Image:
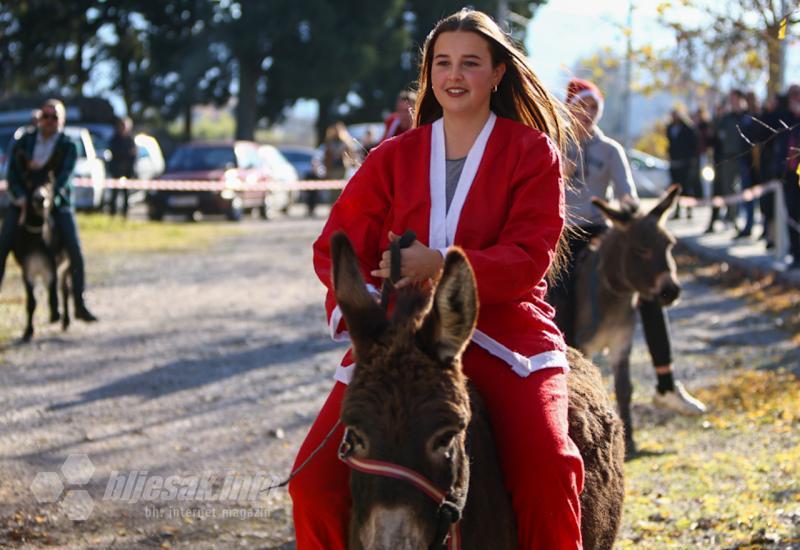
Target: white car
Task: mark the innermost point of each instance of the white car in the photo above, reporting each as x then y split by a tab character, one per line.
281	171
90	166
149	158
650	174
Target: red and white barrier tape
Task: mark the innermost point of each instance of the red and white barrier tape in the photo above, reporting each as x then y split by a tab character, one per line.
203	185
748	194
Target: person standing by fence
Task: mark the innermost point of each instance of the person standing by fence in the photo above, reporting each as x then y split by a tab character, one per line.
123	160
683	160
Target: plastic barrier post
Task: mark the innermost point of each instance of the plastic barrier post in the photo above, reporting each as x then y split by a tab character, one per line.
781	230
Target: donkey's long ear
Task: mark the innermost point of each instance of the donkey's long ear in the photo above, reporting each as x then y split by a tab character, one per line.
365	319
660	210
621	219
449	325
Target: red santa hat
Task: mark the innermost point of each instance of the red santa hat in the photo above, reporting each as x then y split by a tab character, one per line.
578	89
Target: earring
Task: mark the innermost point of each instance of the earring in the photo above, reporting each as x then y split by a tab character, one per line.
495	88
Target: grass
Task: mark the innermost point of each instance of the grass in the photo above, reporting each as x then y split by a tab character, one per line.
101	234
728	480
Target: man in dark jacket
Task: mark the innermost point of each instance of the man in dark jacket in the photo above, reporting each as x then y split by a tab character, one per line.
123	159
683	159
39	146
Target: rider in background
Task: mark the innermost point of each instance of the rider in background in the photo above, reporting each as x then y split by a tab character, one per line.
401	119
39	145
597	166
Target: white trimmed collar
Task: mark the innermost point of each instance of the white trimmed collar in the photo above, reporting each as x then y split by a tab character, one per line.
443	222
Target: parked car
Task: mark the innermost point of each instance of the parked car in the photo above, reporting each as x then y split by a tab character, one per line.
650	174
7	134
88	165
148	166
307	161
359	132
149	158
222	161
282	171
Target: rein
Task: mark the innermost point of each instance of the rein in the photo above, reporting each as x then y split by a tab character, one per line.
448	532
394	248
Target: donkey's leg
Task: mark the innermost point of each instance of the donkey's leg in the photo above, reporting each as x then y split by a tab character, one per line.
65	294
31	306
52	291
624	390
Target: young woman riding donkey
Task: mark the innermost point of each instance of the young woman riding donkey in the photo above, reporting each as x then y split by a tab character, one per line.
480	171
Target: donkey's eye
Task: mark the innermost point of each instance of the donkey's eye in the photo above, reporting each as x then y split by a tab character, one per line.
356	440
643	252
444	440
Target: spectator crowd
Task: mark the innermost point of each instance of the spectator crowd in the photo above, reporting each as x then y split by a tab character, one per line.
747	143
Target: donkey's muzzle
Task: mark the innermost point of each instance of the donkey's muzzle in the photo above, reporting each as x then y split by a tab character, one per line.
668	293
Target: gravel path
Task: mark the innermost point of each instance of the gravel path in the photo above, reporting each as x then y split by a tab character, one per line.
215	363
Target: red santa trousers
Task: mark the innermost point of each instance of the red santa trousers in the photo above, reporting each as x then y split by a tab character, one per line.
542	468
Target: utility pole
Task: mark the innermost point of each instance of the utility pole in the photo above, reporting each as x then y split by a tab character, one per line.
626	95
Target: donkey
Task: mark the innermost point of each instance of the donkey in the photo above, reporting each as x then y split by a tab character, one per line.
35	248
410	413
632	259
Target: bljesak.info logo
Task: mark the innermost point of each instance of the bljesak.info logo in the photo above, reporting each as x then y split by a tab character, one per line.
68	488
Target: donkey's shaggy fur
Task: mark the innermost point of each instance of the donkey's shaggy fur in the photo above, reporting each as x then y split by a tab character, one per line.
410	404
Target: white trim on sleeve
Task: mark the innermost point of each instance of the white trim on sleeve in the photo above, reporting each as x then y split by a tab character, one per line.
344	373
336	319
521	365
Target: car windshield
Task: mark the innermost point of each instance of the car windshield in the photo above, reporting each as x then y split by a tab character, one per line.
5	140
297	156
187	159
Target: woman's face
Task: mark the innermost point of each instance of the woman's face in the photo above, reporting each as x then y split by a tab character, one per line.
462	75
585	110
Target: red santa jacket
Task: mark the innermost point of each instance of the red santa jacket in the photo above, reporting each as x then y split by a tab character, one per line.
507	215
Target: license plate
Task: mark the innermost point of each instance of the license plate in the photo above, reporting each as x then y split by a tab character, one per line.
182	201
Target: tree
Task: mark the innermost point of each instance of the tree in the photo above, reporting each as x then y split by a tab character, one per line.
736	38
47	46
185	67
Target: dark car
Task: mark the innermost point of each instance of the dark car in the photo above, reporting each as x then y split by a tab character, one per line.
306	160
231	162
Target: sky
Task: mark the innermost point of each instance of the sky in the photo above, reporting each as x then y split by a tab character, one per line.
563	31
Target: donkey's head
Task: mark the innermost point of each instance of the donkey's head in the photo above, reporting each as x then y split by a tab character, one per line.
38	190
640	257
407	404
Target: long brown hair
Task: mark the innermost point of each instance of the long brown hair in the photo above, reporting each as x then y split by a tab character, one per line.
520	95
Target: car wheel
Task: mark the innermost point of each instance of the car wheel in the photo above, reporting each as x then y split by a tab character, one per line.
155	213
265	210
235	210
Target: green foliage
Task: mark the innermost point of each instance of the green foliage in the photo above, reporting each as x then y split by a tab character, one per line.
165	57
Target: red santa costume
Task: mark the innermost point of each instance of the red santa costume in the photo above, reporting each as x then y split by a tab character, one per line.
392	126
507	214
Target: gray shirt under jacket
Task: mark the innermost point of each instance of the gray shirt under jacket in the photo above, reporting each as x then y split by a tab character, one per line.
454	169
599	162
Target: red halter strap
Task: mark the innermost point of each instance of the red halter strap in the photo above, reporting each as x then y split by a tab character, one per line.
387	469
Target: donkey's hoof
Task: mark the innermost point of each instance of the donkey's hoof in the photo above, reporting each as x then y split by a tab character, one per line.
26	337
65	323
55	317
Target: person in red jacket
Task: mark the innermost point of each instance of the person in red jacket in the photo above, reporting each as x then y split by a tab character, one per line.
401	119
481	170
